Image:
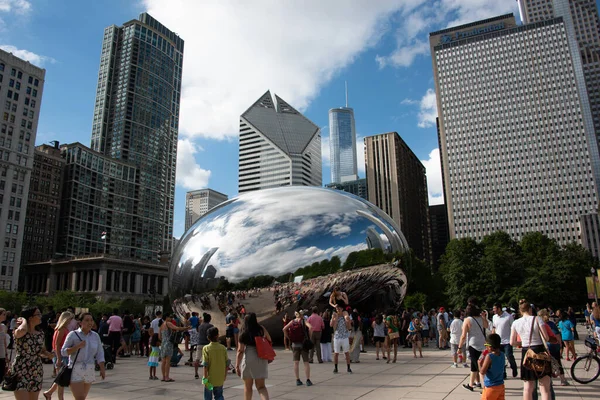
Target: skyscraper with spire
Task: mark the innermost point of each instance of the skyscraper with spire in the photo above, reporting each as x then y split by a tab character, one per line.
342	144
278	146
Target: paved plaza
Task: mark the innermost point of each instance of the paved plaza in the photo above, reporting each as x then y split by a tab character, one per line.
429	378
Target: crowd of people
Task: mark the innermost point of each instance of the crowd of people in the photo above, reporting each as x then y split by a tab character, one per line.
480	340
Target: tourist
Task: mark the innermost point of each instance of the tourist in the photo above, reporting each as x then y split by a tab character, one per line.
214	360
554	343
297	330
326	337
315	321
3	344
587	313
527	328
356	336
232	332
414	334
115	329
155	324
455	333
405	321
567	329
336	296
501	324
286	341
379	336
425	331
393	328
474	326
341	323
442	326
60	336
136	336
167	332
433	331
253	370
573	320
491	366
154	356
27	364
145	337
203	340
84	349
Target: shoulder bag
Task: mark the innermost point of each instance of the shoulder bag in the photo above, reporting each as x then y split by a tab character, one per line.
63	377
11	379
264	348
538	363
307	345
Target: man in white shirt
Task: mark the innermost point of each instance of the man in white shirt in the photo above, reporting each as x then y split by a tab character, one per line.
154	324
501	325
455	332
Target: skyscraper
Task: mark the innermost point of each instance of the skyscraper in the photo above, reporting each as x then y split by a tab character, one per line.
582	24
278	147
21	90
397	183
342	144
515	148
199	202
136	120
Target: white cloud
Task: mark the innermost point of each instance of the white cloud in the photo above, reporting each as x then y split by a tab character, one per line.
433	167
409	102
234	51
428	110
27	55
189	173
16	6
413	27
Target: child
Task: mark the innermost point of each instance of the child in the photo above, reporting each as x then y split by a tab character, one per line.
492	366
214	357
414	333
455	332
154	354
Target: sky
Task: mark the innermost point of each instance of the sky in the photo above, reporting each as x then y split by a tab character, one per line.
303	51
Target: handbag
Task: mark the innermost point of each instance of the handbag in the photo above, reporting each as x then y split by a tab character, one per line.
538	363
307	345
264	349
555	365
11	381
394	335
63	377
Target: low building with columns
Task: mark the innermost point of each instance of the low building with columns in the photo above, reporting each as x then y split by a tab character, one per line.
104	276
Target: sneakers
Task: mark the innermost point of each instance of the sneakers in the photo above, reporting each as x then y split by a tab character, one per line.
454	365
308	382
466	365
468	387
349	370
197	376
478	385
299	382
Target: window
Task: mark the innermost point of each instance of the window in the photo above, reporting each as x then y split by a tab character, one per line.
9	94
30	80
28	91
36	83
26	101
10	273
8	229
11	256
32	103
19	75
15	228
13	72
18	204
16	96
11	83
34	93
18	86
5	117
1	67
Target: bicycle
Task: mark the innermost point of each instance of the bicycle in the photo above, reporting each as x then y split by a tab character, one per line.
586	369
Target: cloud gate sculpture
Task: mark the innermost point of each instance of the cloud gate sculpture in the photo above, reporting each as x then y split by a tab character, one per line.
275	232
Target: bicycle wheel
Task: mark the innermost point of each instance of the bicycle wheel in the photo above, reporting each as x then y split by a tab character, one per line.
585	369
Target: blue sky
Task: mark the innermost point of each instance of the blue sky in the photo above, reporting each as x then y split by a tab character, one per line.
235	51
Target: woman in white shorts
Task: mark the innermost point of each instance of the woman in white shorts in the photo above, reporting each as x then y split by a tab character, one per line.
84	349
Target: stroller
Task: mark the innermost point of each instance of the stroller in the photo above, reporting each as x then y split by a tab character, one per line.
109	360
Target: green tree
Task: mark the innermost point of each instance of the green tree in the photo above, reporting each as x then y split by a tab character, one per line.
416	301
460	268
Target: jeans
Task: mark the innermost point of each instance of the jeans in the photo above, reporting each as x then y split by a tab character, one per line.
217	392
508	351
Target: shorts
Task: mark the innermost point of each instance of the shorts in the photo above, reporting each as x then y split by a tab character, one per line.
126	337
425	333
378	339
474	354
341	345
236	331
229	333
198	353
493	393
299	351
85	374
454	349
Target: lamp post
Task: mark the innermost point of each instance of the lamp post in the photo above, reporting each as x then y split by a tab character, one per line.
593	272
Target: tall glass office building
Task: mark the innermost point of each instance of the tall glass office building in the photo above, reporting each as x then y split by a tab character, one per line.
136	120
342	145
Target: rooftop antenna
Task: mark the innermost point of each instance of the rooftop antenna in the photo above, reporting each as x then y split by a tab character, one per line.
346	84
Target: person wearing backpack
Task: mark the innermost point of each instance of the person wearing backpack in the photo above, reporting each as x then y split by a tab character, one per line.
297	331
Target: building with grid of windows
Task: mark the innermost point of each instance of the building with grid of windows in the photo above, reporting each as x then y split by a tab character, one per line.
278	147
438	227
136	120
357	187
43	206
583	29
199	202
590	233
397	183
516	150
342	145
21	87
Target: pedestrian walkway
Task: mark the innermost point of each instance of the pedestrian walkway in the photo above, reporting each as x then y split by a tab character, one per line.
431	377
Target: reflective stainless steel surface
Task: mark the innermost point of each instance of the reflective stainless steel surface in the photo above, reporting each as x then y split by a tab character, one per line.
275	232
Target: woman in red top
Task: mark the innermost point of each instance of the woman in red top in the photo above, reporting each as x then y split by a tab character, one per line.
60	334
